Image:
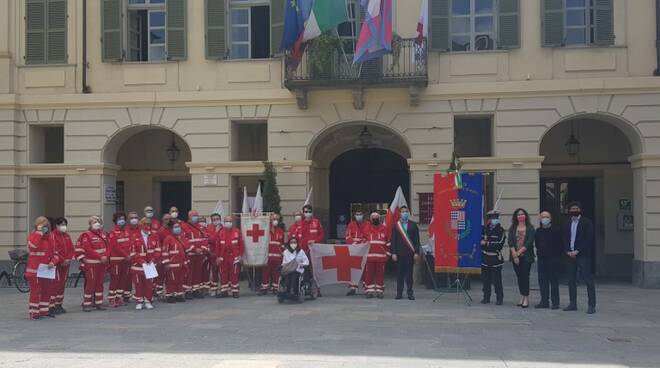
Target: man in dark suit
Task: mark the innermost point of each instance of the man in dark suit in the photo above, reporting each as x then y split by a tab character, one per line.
405	251
578	239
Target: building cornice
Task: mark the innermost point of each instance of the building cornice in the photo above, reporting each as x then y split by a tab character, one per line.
644	160
57	170
480	163
247	167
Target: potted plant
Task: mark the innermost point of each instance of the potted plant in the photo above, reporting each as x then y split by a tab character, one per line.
322	54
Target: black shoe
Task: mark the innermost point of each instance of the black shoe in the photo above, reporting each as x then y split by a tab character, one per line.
51	315
499	302
570	308
318	294
262	292
170	299
380	295
87	308
523	306
411	297
181	299
485	301
398	297
188	296
369	295
234	295
100	307
542	306
555	307
35	318
61	310
351	292
591	310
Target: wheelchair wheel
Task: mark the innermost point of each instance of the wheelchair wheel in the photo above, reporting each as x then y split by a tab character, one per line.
18	277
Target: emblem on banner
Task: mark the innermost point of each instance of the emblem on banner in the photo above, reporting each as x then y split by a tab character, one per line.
458	227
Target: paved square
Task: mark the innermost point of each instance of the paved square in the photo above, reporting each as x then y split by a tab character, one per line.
339	331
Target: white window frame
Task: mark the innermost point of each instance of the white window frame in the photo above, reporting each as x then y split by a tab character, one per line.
472	20
149	7
242	4
355	26
589	26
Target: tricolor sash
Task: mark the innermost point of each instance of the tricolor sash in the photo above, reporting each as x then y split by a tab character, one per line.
405	236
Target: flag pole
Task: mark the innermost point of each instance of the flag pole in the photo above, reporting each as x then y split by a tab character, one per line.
341	45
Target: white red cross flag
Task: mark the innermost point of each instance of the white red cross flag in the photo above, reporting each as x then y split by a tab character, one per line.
338	263
256	236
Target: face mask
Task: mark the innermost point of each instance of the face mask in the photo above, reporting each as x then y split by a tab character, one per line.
359	218
229	225
405	216
134	221
176	231
494	222
44	230
121	222
145	231
275	223
217	222
375	221
545	221
298	218
293	246
174	214
97	226
194	219
308	215
202	224
149	214
62	228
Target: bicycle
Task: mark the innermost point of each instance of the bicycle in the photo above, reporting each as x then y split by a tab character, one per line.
17	276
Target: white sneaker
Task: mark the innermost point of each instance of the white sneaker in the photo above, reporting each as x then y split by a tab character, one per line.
148	305
138	306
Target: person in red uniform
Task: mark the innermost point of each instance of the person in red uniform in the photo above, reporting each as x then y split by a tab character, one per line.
311	232
63	248
231	248
40	251
163	231
269	274
295	230
356	233
213	229
149	213
120	249
206	266
174	259
145	248
174	214
198	246
92	251
379	251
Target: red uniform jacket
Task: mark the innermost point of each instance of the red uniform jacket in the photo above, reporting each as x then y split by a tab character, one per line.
312	232
40	250
91	246
213	232
62	246
276	245
295	231
163	232
198	240
155	224
142	252
174	251
357	232
379	248
230	244
120	243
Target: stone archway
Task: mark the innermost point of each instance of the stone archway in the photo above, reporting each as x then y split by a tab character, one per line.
600	176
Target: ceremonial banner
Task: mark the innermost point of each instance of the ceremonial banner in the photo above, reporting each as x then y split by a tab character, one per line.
338	263
457	213
256	236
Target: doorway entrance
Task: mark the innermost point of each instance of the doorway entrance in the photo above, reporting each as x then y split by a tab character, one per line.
178	194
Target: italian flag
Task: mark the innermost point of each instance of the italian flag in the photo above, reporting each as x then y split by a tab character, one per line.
325	15
393	215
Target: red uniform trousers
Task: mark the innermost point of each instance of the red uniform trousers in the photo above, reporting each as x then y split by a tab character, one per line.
119	272
143	287
126	284
214	274
59	285
229	274
206	273
194	274
374	277
160	279
175	281
270	275
94	274
40	292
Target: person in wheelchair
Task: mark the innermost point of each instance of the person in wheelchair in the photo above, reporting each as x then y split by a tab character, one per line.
293	266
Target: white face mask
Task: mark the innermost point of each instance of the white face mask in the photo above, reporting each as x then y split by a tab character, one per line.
134	221
149	214
298	218
62	228
174	215
275	223
229	225
308	215
97	226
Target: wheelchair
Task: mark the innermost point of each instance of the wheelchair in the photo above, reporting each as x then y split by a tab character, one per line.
307	289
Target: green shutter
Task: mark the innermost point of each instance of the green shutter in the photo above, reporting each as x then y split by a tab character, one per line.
439	25
276	25
176	29
552	23
56	32
35	31
508	33
216	19
111	25
604	22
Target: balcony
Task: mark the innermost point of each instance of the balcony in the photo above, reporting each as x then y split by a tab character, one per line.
405	68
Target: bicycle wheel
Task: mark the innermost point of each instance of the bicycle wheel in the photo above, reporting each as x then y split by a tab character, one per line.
18	277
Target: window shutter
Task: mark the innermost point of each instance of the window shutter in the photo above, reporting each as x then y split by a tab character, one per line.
176	29
35	31
276	25
508	33
216	19
56	32
111	24
439	25
552	23
604	13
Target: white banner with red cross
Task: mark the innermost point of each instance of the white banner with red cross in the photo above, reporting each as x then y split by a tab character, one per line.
338	263
256	236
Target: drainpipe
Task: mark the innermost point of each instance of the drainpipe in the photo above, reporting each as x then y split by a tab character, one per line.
86	88
657	37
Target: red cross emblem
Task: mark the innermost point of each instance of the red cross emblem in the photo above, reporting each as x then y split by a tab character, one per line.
255	233
343	261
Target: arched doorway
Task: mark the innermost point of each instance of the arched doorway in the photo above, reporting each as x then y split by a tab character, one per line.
356	164
153	169
586	159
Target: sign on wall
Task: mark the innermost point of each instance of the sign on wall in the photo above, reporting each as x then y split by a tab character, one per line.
109	194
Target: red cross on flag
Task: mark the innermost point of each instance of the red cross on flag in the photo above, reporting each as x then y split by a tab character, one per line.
338	263
256	236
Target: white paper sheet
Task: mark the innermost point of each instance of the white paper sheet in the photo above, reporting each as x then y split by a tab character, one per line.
150	271
43	272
